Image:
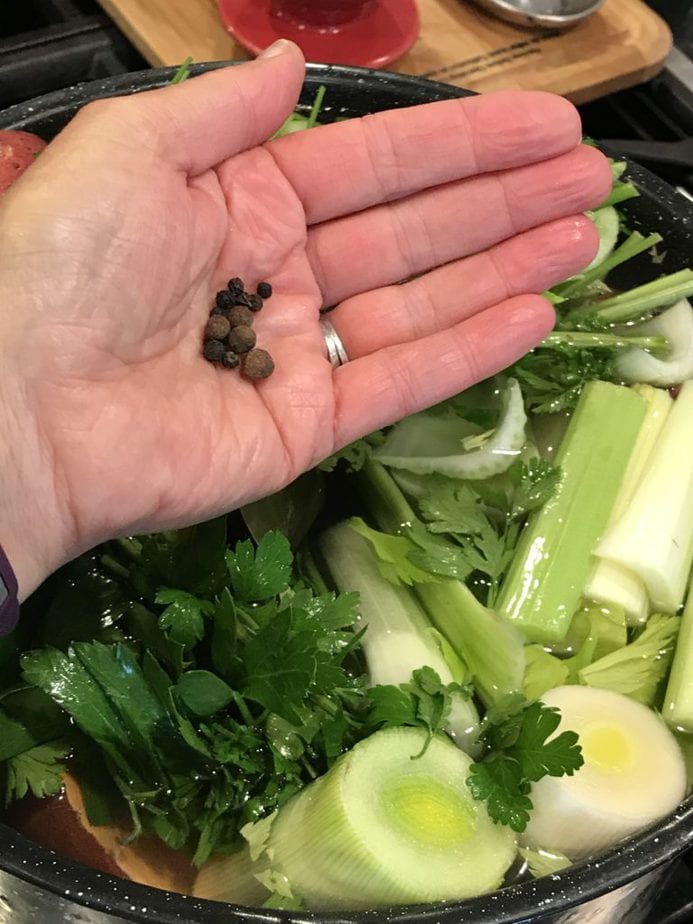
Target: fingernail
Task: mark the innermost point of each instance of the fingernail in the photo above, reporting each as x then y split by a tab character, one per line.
275	49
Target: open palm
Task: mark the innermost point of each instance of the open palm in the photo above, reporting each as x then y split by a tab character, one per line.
118	237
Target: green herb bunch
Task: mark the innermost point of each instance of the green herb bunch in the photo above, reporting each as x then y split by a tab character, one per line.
197	688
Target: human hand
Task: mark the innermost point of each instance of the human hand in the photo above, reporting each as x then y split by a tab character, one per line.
115	241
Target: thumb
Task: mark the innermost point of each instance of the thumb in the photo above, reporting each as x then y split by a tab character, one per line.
203	121
209	118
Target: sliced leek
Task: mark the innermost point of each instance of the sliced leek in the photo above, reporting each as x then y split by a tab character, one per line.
633	775
381	828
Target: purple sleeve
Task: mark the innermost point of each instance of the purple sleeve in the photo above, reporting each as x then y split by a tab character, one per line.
9	605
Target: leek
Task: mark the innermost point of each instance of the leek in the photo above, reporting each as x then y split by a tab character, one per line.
381	828
609	582
653	538
399	638
544	583
491	648
633	774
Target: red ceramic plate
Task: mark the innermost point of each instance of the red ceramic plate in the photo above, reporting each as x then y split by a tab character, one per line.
383	34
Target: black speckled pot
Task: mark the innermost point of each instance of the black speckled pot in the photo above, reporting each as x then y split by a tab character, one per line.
37	886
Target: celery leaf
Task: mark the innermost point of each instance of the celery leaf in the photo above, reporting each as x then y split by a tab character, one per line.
393	553
638	669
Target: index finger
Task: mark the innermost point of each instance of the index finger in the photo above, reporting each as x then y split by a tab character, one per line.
348	166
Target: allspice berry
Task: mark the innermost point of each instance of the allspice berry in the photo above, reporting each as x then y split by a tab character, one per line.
240	298
238	315
242	338
223	299
264	289
257	364
230	360
235	285
217	328
214	350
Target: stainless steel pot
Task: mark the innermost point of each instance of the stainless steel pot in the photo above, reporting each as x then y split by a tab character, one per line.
39	887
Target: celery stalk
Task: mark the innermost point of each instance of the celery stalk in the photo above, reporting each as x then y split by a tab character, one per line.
609	582
677	711
544	584
653	538
597	339
633	304
492	649
630	248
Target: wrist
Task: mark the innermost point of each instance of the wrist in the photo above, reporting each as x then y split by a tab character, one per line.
32	529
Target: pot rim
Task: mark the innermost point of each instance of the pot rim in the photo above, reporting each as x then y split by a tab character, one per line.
533	899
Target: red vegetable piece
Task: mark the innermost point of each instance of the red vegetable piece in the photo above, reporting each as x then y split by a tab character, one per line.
17	152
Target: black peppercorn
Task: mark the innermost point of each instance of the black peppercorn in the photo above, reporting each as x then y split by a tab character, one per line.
214	350
264	289
238	315
257	364
242	338
254	302
230	360
235	286
223	299
217	328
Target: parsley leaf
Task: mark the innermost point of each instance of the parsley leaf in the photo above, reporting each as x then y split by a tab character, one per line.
499	782
183	619
190	559
539	757
483	520
39	770
425	700
517	735
280	664
258	573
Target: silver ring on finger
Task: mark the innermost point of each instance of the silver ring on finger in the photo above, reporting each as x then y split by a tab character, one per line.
336	353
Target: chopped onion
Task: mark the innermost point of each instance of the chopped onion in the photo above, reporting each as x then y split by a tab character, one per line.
676	324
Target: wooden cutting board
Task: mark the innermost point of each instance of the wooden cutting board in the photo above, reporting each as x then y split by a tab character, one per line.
623	44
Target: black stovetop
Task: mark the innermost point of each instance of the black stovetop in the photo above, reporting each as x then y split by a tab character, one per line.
49	44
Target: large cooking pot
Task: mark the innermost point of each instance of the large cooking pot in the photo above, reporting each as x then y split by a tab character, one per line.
40	887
